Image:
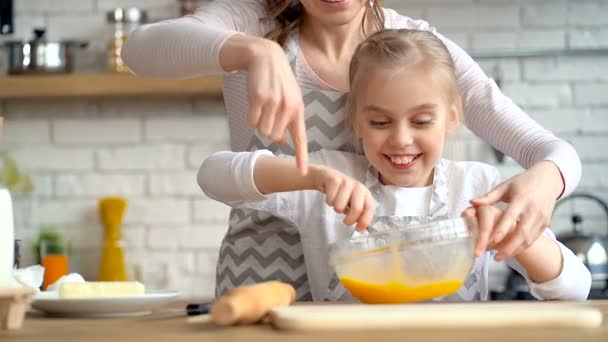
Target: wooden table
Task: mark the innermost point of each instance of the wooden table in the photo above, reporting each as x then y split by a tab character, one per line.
167	325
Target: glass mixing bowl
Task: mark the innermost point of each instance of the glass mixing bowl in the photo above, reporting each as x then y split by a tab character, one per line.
407	262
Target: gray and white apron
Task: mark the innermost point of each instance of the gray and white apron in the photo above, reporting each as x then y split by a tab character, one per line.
258	246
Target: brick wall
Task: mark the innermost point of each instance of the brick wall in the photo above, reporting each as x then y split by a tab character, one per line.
149	150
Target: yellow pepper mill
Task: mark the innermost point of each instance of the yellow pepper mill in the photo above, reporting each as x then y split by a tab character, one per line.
111	210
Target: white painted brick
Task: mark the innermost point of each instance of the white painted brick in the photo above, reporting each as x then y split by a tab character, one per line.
54	158
155	157
158	211
134	238
64	211
85	261
206	262
46	109
175	183
43	184
501	70
207	210
588	13
595	122
24	28
53	6
188	237
111	4
594	175
164	237
213	128
195	286
589	38
536	95
545	14
474	18
409	9
566	69
591	94
79	185
560	120
459	38
26	132
118	108
591	148
198	153
179	262
86	234
519	40
86	26
203	236
96	131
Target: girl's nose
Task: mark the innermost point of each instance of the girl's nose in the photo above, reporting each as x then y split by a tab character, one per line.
401	136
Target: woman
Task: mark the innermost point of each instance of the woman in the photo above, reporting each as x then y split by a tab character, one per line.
286	63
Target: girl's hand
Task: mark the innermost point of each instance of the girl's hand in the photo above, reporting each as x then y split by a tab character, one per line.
275	99
347	196
531	196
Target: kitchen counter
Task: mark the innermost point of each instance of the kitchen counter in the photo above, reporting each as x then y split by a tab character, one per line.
171	324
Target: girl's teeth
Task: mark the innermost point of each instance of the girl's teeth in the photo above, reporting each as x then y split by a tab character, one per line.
402	160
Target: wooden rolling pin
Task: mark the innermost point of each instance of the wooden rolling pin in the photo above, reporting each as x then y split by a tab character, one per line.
249	304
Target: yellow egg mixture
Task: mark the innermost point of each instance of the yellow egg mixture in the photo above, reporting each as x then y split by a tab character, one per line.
393	293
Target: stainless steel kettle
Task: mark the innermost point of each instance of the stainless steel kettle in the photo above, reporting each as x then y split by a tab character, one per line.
592	249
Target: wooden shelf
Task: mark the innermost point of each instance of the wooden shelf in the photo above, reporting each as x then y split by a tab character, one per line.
104	85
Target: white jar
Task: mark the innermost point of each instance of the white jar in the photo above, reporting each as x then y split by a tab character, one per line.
7	240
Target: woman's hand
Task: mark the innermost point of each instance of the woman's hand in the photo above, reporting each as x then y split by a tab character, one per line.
531	196
346	195
275	99
487	217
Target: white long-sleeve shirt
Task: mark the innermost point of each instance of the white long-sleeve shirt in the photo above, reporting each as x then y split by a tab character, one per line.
189	47
228	177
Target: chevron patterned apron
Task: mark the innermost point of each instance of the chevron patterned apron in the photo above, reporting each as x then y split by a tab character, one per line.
258	246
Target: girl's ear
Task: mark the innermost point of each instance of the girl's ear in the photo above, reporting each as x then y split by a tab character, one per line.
454	114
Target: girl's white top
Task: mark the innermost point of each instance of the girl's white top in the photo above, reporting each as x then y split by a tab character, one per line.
189	47
228	177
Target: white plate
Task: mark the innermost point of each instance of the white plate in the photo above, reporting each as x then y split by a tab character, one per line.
50	303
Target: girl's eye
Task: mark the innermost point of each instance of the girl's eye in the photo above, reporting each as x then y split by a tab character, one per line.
378	123
423	123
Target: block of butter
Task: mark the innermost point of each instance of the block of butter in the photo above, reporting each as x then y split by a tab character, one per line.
101	289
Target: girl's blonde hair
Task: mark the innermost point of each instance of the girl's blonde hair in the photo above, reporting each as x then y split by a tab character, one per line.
396	49
288	14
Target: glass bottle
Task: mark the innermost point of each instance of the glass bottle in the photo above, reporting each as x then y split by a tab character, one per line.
122	21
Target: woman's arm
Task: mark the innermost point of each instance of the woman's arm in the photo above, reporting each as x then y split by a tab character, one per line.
497	120
190	46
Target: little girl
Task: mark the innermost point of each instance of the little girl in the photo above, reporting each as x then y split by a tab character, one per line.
404	100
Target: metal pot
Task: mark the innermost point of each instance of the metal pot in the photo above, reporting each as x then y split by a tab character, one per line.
38	56
592	249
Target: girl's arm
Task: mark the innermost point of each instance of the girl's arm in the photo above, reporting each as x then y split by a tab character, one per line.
244	178
552	270
190	46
